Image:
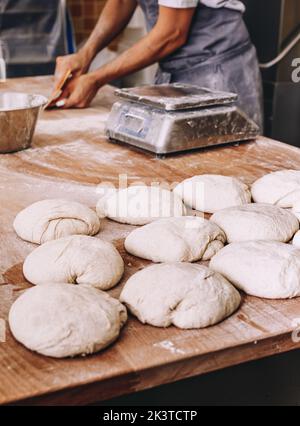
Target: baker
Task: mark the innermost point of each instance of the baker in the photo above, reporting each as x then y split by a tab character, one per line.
200	42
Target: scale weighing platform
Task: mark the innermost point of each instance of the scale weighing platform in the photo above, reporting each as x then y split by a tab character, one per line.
172	118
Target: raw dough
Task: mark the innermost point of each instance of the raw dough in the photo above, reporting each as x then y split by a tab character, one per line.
257	222
181	239
52	219
281	188
264	269
210	193
183	294
75	260
139	205
296	240
59	320
296	209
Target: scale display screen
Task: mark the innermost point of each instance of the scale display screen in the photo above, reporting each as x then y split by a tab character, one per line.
134	123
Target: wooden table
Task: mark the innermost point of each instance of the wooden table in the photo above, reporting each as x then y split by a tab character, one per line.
69	158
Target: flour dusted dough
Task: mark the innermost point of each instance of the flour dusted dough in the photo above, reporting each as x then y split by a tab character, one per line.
264	269
181	239
139	205
256	222
281	188
296	240
75	260
186	295
210	193
52	219
296	209
58	320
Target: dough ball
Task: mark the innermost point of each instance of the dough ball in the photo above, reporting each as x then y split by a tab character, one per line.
210	193
139	205
52	219
264	269
256	222
59	320
296	240
75	260
296	209
186	295
280	188
181	239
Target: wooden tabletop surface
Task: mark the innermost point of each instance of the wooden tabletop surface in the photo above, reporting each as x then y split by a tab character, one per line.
70	158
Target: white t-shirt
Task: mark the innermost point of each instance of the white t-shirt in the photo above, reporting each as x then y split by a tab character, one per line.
230	4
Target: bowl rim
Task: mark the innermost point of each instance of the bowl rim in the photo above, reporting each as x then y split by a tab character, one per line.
43	102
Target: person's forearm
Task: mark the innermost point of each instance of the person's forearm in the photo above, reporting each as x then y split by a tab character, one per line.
170	32
149	50
114	18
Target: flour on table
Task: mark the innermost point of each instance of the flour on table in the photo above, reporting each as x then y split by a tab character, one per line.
210	193
75	260
263	269
169	346
257	222
186	295
59	321
181	239
139	205
52	219
95	123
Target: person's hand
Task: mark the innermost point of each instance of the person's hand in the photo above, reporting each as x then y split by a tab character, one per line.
77	63
80	92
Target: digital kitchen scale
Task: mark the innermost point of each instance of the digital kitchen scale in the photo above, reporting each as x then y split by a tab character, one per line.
171	118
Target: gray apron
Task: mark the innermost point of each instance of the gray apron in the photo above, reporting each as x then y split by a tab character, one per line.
218	55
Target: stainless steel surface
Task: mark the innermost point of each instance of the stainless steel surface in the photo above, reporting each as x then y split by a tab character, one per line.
174	97
18	117
163	132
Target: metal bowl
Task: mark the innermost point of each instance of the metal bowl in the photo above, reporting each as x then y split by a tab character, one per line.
18	116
